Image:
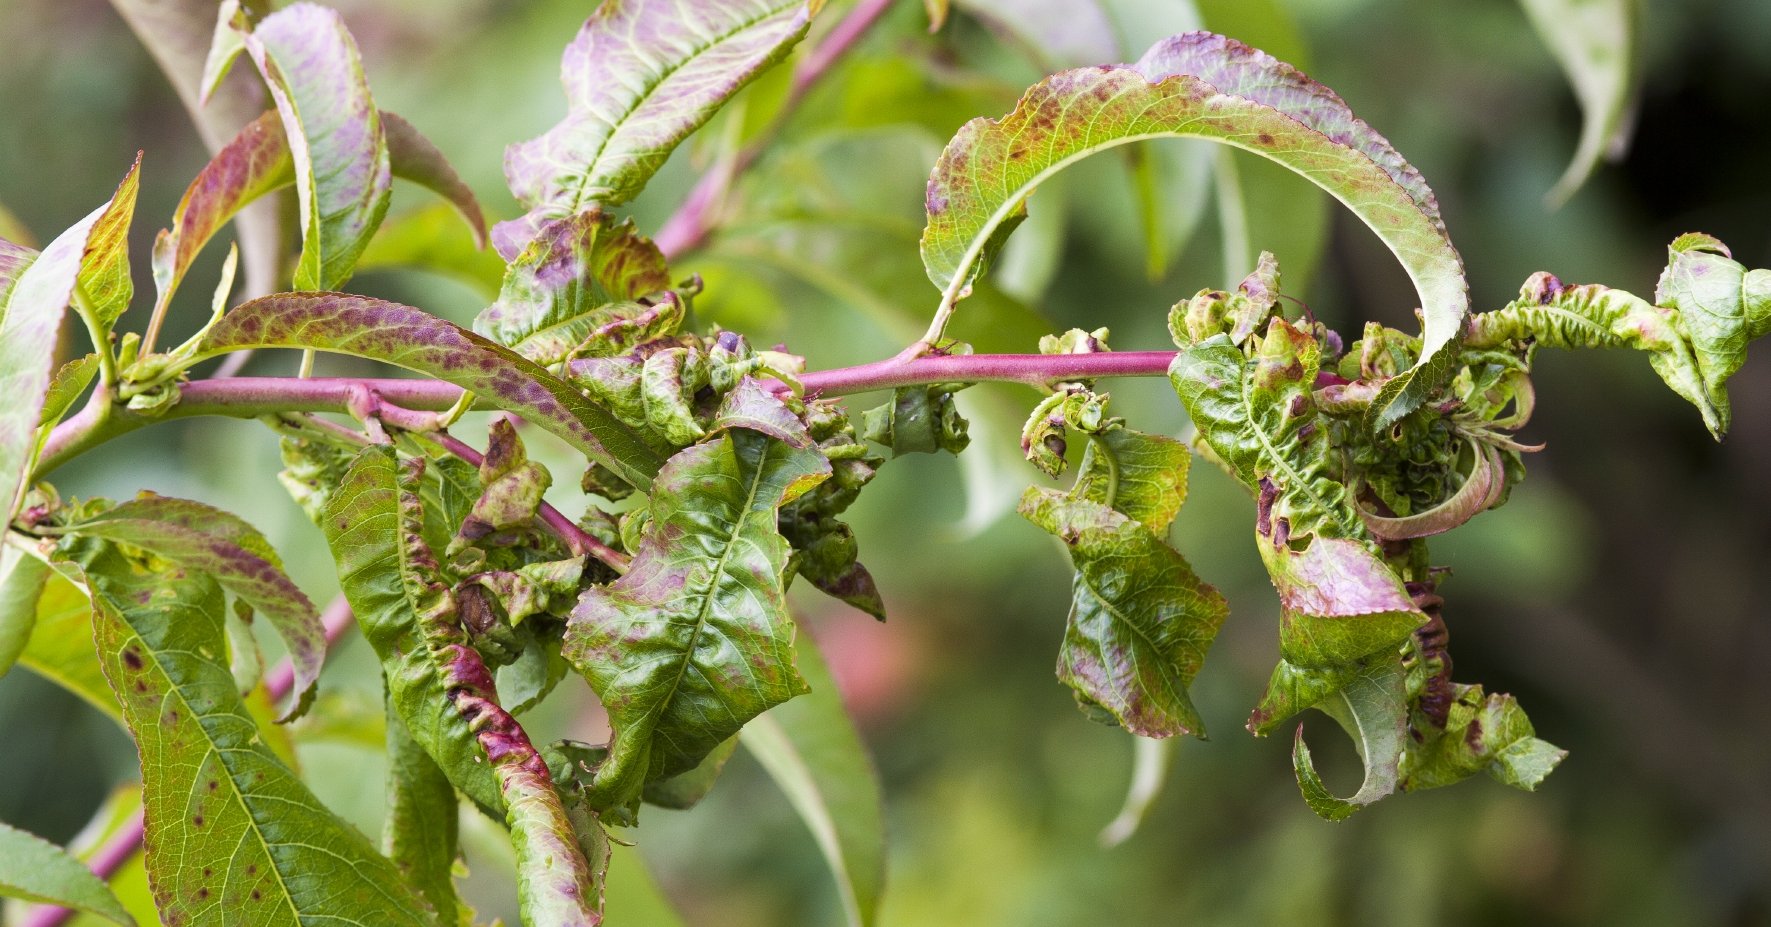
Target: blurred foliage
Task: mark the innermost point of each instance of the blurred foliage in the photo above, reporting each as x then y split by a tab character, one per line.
1613	596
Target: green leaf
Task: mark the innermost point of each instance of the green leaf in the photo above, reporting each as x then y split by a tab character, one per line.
811	749
69	384
1141	475
575	290
60	650
917	420
685	790
1259	416
511	492
1373	709
1595	43
389	577
411	338
429	238
1722	306
1053	34
420	833
336	139
105	282
1198	85
22	577
36	870
695	639
258	161
639	78
1490	735
221	545
1140	620
232	834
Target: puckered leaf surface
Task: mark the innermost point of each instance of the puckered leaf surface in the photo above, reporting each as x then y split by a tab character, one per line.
640	76
233	837
695	639
416	340
1197	85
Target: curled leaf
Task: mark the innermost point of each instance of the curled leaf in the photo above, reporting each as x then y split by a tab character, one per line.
1480	490
1373	709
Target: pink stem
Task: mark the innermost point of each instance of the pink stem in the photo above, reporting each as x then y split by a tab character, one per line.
575	537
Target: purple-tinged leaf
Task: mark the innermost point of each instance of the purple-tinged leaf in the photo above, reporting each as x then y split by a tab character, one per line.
695	640
335	135
751	405
513	486
232	835
1481	734
220	544
1140	620
411	338
30	319
1197	85
640	76
811	749
1373	709
13	261
578	276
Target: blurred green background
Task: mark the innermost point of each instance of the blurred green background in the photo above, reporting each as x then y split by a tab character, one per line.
1618	594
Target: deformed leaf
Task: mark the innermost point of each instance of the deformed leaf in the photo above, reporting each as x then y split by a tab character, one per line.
685	790
219	544
1481	734
34	869
1140	620
1373	709
232	834
1595	43
694	640
30	317
105	282
917	420
416	340
1141	475
1198	85
811	749
639	77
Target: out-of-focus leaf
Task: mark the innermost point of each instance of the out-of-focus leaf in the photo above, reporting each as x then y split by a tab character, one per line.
694	640
430	238
258	161
419	834
335	135
60	650
120	813
1595	43
1140	620
1373	709
1150	765
231	832
223	546
1710	308
812	751
1203	86
13	261
383	573
937	10
22	578
573	286
30	318
634	897
639	77
36	870
416	340
1054	34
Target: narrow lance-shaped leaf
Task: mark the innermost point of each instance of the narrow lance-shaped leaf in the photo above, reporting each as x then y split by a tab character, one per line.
1055	34
1150	762
1373	709
336	140
34	869
105	282
258	162
1198	85
811	749
694	640
232	835
1140	620
639	77
29	321
220	544
1595	43
22	577
388	578
419	834
411	338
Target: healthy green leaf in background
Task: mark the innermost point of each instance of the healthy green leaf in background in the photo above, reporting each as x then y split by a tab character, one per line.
335	135
695	640
221	545
36	870
22	577
60	649
30	319
641	76
430	238
232	835
811	749
411	338
1596	44
1202	86
419	834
